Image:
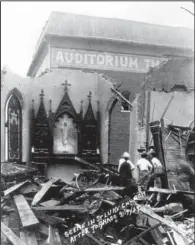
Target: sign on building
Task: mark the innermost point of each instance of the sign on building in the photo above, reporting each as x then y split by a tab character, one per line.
62	58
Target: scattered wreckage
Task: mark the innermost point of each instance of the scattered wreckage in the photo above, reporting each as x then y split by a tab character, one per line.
90	210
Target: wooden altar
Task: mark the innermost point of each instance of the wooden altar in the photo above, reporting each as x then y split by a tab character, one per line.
61	135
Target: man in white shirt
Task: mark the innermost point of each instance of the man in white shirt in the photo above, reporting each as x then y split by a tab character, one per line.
158	177
145	168
158	168
126	168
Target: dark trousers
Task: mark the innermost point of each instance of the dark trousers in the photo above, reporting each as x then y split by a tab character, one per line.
162	177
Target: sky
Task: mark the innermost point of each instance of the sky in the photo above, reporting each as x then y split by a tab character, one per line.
22	22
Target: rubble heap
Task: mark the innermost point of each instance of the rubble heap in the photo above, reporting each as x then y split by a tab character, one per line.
92	210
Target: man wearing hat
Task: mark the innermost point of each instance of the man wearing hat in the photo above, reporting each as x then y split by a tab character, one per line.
145	168
126	169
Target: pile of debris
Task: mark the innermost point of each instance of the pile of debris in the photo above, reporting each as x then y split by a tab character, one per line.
92	210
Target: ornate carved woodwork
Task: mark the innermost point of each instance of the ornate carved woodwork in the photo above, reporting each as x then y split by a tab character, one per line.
14	124
66	133
89	131
65	106
42	137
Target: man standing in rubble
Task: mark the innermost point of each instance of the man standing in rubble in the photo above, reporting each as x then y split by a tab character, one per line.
158	171
126	169
145	168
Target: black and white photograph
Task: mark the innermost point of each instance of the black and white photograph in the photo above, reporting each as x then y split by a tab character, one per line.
97	123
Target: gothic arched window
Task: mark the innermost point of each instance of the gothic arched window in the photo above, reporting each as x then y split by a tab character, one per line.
13	129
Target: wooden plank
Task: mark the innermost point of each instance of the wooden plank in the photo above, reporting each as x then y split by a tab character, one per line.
42	192
15	188
50	203
11	236
106	188
23	237
5	220
26	214
148	211
169	191
31	238
53	239
62	208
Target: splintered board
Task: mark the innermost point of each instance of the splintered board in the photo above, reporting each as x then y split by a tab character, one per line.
28	237
68	207
42	192
26	214
14	188
11	236
5	220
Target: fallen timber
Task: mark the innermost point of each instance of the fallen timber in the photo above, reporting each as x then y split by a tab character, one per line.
169	191
111	208
11	236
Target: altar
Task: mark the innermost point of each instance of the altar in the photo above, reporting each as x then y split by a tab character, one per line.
58	137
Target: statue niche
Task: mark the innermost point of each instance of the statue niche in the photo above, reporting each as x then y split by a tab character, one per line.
65	135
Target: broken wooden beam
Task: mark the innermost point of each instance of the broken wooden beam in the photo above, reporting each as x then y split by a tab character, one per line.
93	166
14	188
11	236
46	186
67	207
105	188
25	212
169	191
117	93
149	212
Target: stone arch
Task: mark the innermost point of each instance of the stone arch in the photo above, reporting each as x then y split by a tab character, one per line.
112	101
118	132
13	126
18	94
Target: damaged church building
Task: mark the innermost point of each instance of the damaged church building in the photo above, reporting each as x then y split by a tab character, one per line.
65	110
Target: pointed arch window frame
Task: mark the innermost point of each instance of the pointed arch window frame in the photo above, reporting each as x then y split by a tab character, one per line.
18	96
